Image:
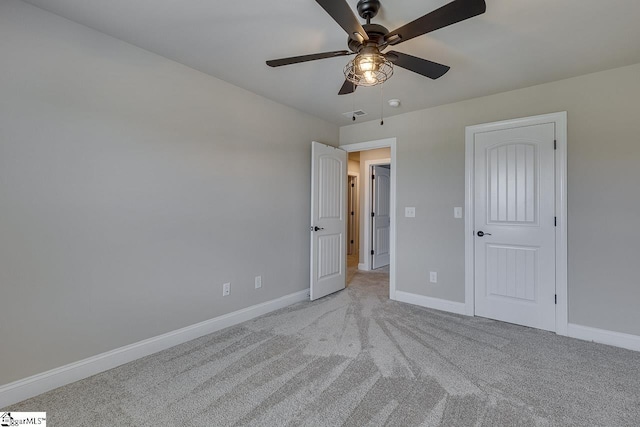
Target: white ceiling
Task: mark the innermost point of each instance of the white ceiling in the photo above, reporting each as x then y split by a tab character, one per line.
516	43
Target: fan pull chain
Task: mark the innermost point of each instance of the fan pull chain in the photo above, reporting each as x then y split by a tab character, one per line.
381	104
353	110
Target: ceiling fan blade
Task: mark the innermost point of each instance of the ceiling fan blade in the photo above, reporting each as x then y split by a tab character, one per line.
347	88
340	11
456	11
430	69
305	58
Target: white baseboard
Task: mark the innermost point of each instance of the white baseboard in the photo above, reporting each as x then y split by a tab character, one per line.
602	336
40	383
429	302
362	266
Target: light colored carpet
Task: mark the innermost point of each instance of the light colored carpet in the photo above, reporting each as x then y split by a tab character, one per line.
356	358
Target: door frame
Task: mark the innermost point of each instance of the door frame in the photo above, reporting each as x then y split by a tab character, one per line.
560	121
355	175
370	145
368	202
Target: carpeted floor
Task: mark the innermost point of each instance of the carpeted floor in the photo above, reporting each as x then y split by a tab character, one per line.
356	358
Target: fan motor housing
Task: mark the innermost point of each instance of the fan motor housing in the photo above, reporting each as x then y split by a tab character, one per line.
375	33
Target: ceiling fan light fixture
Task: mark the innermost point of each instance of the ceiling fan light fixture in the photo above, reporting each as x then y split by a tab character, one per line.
368	69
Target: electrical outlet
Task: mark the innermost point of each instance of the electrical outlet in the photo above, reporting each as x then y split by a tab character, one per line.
433	277
226	289
457	212
258	282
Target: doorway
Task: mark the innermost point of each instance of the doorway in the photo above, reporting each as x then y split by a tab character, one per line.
515	239
328	228
363	158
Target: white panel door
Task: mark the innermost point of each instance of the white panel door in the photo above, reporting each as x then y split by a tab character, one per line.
381	219
514	225
328	223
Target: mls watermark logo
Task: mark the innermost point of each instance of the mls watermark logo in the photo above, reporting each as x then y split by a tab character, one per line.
9	419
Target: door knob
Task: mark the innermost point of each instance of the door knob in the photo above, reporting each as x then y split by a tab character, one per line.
482	233
316	228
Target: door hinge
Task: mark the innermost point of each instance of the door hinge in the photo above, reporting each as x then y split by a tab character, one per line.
555	221
352	213
373	177
555	144
353	185
556	298
373	214
372	252
352	242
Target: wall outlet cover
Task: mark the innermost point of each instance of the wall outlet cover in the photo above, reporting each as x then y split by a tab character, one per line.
433	277
258	282
226	289
410	212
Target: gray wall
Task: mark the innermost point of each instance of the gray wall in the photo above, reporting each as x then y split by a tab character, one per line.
603	190
132	187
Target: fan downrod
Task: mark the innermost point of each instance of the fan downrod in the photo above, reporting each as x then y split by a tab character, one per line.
368	9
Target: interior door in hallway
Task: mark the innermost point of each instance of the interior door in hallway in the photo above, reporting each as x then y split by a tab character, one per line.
514	225
381	216
328	222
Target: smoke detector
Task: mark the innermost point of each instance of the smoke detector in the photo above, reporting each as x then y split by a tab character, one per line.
394	103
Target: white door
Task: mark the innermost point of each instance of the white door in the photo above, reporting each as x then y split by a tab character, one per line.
328	224
381	216
514	225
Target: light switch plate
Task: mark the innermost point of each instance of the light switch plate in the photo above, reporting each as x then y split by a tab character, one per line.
433	277
410	212
457	212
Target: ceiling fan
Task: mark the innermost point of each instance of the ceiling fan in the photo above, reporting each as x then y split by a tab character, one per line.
370	66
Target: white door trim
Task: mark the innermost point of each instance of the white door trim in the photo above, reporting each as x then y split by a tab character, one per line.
370	145
357	206
560	121
368	200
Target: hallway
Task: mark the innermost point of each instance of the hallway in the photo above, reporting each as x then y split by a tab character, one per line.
379	276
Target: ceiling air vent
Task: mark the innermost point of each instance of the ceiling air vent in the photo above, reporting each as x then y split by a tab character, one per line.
357	113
